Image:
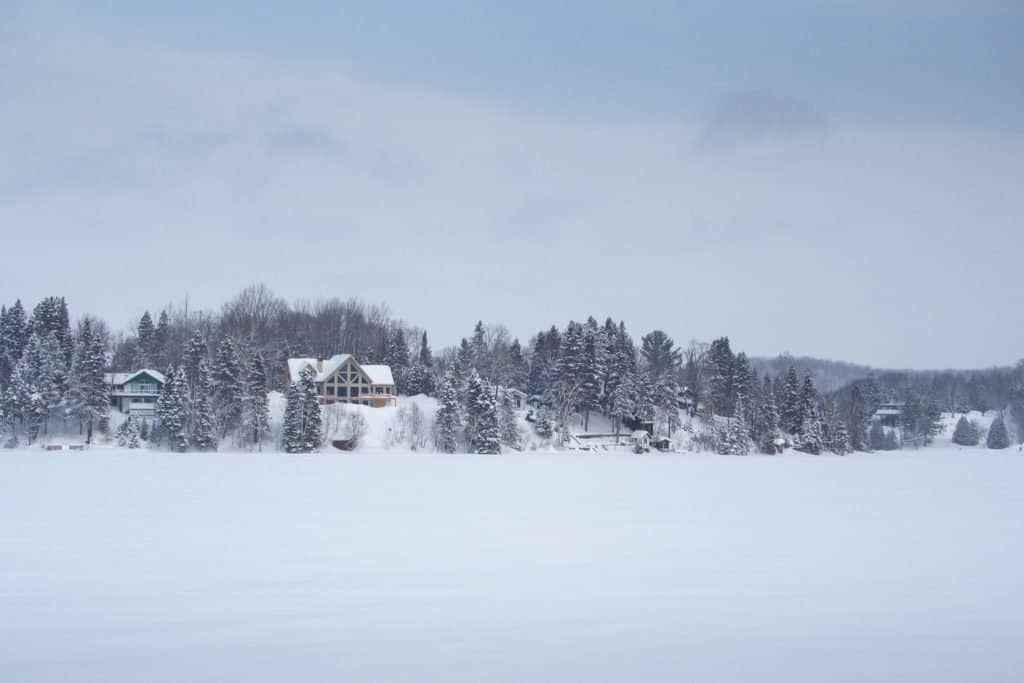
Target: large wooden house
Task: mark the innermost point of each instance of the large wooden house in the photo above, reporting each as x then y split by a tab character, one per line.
135	393
342	379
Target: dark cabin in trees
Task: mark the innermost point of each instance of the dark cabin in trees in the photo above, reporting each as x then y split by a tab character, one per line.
135	393
342	379
890	414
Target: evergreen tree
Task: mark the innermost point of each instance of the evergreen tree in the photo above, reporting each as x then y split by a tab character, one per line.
544	427
146	332
448	418
838	438
88	393
858	421
396	355
739	437
623	402
721	392
811	438
768	422
161	341
966	432
474	401
50	316
312	433
227	387
661	357
172	410
202	417
303	424
487	432
666	403
196	353
997	438
590	371
789	402
13	338
127	434
645	408
256	409
519	369
509	423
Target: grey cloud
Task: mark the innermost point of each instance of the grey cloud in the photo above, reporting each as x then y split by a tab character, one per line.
754	116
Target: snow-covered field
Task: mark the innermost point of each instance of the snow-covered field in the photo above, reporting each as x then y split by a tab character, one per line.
144	566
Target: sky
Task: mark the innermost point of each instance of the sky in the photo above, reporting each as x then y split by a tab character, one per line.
838	179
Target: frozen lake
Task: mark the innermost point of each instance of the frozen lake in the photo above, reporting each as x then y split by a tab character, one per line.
159	567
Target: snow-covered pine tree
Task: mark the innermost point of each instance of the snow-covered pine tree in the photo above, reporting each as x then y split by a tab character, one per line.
742	378
839	438
14	335
26	401
768	421
195	354
487	432
172	410
448	417
509	423
519	370
50	316
966	432
479	351
623	402
127	434
645	408
145	334
312	419
88	393
421	375
811	438
292	429
808	404
721	392
227	387
396	355
789	403
303	426
256	409
590	372
858	421
997	438
474	402
740	434
202	417
569	364
161	341
666	403
544	428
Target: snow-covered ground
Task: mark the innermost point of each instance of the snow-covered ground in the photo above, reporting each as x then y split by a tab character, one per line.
146	566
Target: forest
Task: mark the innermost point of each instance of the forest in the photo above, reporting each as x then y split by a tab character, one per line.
221	366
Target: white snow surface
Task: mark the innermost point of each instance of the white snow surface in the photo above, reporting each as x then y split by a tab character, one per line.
147	566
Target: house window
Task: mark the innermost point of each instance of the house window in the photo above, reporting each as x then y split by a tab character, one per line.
330	391
378	390
365	389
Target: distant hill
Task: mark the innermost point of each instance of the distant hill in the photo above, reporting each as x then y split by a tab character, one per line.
828	375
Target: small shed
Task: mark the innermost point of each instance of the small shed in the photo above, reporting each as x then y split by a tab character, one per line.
641	440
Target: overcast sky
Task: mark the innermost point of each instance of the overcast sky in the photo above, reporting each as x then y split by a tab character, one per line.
846	182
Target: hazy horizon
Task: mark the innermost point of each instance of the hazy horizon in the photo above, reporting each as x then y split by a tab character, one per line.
842	183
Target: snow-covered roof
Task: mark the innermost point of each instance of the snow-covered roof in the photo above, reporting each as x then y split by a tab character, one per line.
120	378
378	374
639	434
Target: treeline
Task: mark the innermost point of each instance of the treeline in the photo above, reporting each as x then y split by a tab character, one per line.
220	367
